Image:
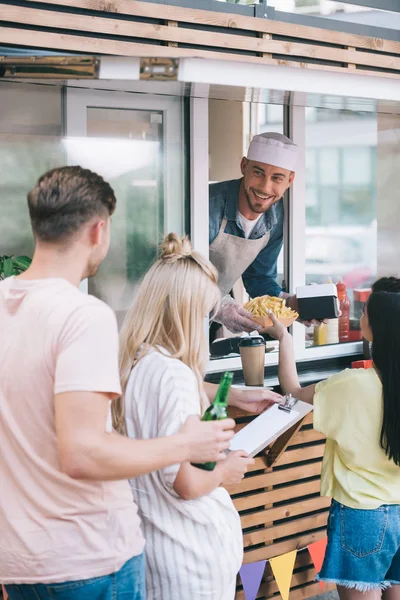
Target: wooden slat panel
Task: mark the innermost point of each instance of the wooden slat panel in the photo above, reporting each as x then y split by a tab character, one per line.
304	575
310	591
172	24
267	590
297	526
286	511
85	23
306	435
266	552
292	455
294	508
300	454
296	490
278	447
276	477
259	464
308	419
300	578
306	591
216	19
270	587
76	43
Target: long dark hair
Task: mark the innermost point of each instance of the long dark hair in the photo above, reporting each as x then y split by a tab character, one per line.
383	309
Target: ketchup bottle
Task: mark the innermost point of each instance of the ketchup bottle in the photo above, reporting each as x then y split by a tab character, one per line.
344	319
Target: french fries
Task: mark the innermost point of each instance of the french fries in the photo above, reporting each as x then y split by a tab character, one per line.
260	306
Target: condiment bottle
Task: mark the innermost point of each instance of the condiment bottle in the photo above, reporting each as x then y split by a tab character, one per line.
319	334
344	319
332	327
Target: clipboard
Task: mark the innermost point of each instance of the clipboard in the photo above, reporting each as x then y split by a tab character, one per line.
277	424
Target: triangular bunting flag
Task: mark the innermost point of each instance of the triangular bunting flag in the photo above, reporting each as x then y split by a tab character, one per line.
317	552
282	568
251	575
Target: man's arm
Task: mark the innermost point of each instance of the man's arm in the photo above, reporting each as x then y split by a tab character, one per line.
86	379
87	451
260	277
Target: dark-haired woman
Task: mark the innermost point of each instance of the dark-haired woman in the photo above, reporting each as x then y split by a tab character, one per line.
359	413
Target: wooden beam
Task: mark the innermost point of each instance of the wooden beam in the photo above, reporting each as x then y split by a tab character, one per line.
99	47
293	509
297	526
351	66
300	454
293	492
216	19
162	33
270	589
301	541
258	482
172	24
266	36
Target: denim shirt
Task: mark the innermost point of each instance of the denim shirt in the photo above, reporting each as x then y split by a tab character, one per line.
260	277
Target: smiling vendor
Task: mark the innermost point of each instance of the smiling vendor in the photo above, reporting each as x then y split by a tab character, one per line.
246	225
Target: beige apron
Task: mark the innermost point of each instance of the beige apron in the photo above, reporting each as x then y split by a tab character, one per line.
231	255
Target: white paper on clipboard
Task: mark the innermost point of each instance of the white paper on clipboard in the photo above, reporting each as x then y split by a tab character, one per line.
267	427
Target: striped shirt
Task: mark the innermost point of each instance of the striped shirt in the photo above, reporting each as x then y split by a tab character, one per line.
194	548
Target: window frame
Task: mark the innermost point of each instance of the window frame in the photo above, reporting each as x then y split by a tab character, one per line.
77	101
294	254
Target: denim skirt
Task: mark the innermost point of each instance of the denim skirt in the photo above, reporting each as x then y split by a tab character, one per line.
363	550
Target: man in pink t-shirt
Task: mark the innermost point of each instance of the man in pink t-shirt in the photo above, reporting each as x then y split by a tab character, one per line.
68	527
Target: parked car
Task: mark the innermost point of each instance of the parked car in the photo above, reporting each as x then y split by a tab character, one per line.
342	251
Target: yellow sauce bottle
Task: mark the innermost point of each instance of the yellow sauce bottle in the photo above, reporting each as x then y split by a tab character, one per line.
319	335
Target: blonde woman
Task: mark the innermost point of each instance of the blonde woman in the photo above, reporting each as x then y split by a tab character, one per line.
194	545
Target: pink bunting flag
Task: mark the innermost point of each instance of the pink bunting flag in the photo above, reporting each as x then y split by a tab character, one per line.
251	575
317	552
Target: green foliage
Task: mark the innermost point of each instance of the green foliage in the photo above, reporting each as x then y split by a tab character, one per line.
13	265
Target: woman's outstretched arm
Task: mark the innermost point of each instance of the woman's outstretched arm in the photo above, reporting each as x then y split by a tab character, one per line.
287	372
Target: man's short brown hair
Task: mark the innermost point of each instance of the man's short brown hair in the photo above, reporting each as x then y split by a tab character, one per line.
65	199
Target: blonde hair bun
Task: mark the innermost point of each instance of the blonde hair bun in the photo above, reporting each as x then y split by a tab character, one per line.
173	247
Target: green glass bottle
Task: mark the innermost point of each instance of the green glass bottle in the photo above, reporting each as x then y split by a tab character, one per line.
217	411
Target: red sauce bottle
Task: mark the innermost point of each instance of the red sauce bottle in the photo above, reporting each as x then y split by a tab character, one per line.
344	319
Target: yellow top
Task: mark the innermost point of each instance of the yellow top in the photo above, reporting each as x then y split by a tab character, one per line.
348	410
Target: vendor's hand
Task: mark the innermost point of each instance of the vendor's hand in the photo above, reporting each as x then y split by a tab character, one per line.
235	467
236	318
291	302
253	401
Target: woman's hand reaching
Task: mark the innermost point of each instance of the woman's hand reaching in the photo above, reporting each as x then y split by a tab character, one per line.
234	468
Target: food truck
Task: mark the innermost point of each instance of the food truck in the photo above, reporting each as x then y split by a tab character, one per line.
162	99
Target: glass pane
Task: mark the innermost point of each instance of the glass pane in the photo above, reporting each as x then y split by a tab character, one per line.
343	11
127	148
30	144
311	167
357	165
273	121
341	225
328	168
